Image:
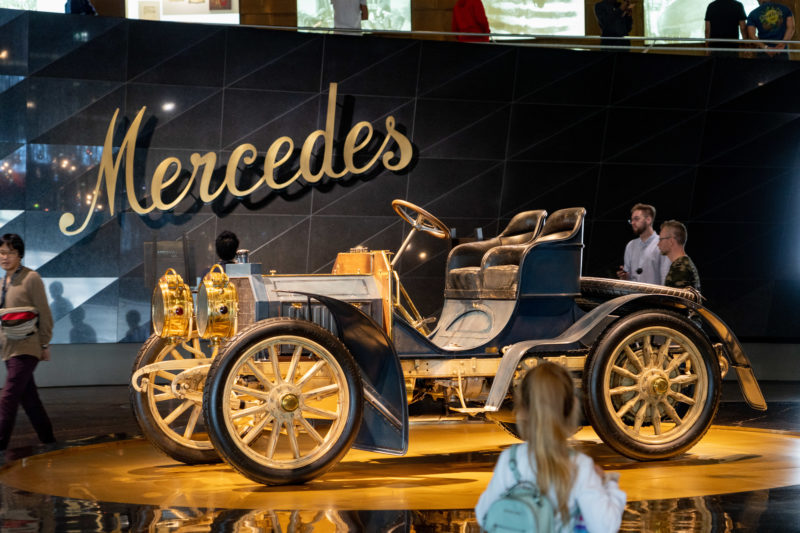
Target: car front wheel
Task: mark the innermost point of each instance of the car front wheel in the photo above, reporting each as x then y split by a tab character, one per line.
283	401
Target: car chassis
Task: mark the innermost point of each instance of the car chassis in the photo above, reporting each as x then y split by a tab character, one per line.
281	375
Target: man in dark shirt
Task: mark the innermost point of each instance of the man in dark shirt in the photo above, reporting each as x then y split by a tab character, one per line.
725	19
615	20
771	22
682	274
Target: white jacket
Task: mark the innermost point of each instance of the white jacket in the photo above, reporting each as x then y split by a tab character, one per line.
595	503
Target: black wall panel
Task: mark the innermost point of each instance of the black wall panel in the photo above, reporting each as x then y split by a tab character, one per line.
496	130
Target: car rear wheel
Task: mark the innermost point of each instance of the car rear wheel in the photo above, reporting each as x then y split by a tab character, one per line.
283	401
652	385
167	402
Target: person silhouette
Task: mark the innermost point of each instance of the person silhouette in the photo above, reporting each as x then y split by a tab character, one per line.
136	332
59	306
81	332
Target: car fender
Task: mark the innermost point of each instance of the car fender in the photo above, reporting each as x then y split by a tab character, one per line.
384	427
585	332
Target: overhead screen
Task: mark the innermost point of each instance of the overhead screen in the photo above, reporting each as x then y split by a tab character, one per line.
680	18
383	14
536	17
207	11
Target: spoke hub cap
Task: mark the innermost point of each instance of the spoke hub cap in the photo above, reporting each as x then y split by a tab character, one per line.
290	403
654	385
284	402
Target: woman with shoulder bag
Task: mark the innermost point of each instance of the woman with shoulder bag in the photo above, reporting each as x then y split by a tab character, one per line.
27	327
583	496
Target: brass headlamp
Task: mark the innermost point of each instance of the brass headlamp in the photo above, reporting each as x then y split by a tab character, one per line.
172	308
217	306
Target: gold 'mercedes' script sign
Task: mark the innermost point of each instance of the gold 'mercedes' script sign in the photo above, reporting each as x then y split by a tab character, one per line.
170	168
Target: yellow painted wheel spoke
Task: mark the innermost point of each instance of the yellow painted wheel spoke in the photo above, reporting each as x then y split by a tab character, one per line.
320	412
628	405
647	351
255	431
249	411
290	374
310	430
290	432
311	371
684	379
681	397
624	372
656	420
260	376
193	418
273	438
624	389
321	392
178	411
672	413
662	352
175	353
276	363
247	391
676	362
633	358
637	426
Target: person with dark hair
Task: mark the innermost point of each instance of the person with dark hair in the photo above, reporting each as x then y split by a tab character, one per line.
27	328
615	20
682	273
643	262
79	7
725	19
226	244
584	496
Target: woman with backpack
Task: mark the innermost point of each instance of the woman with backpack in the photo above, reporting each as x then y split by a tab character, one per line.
579	495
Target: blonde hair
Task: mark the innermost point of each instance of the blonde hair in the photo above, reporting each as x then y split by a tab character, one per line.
546	418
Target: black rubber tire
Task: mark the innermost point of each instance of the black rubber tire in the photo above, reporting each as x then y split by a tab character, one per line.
696	416
174	445
217	403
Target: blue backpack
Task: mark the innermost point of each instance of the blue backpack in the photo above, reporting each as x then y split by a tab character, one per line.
522	508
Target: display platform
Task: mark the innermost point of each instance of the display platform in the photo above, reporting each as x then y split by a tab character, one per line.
447	467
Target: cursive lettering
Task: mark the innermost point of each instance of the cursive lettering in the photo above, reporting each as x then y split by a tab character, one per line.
277	154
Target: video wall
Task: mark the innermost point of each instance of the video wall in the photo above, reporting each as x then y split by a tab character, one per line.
494	130
383	14
680	18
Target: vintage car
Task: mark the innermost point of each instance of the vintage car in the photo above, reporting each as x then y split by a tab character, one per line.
283	374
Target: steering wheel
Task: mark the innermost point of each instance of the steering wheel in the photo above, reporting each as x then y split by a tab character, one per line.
421	219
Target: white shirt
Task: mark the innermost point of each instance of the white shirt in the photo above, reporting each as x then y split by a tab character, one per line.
347	13
645	256
600	502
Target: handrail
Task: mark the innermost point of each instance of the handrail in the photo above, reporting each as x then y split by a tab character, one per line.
524	40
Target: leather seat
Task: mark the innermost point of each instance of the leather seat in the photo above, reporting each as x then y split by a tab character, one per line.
464	261
500	269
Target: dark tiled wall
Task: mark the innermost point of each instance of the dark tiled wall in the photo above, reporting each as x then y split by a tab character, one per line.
496	130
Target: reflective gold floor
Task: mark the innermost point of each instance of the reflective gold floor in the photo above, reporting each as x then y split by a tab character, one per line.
448	466
738	478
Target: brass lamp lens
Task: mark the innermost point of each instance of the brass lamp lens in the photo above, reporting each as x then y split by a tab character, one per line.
171	307
217	305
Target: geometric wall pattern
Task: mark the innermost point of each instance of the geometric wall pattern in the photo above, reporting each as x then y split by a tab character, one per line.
496	129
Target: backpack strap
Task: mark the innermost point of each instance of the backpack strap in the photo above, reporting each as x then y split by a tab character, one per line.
512	463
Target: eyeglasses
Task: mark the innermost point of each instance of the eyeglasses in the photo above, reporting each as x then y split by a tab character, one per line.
634	219
8	253
665	238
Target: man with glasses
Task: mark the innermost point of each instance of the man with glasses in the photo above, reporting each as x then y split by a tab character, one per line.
682	274
643	262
